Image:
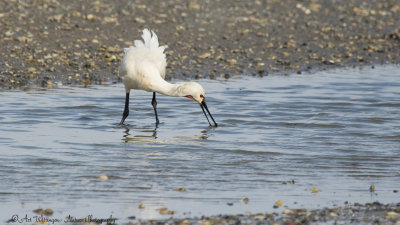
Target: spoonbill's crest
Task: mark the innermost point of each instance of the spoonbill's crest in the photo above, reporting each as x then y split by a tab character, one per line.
143	68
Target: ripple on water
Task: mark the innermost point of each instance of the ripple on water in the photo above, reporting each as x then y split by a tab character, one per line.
338	131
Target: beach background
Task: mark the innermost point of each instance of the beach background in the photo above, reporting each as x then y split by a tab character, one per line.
49	42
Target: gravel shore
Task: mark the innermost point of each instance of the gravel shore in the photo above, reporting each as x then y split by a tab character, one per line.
50	42
370	213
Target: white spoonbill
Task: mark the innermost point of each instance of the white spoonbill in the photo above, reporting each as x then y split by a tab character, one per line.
143	68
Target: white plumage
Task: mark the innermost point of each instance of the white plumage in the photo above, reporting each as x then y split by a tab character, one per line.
143	67
143	63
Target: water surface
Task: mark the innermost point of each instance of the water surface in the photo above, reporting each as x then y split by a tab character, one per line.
337	131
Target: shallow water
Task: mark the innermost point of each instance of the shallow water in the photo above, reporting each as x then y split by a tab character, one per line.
337	131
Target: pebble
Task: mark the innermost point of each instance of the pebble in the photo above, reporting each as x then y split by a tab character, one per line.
314	190
372	188
277	204
232	62
287	211
102	176
45	212
204	55
245	200
393	216
333	214
165	211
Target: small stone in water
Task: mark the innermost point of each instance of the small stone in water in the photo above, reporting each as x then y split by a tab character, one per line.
141	206
314	190
165	211
245	200
103	177
372	188
277	204
38	211
46	212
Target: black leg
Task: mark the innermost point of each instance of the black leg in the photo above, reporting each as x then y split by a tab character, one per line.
126	110
154	103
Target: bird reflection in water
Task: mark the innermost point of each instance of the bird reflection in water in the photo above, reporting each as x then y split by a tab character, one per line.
153	137
127	137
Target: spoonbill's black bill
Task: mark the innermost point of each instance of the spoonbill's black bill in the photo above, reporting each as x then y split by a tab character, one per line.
204	105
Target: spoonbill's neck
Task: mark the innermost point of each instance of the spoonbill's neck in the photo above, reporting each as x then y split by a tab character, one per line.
166	88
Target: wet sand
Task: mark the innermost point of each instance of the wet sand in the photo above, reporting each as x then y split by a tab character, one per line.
50	42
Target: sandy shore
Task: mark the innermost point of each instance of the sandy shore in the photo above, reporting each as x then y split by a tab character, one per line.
370	213
49	42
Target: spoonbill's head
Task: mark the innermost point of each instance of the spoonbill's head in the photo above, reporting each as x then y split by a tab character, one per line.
193	91
196	92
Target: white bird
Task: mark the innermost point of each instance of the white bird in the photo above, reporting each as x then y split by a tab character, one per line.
143	68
